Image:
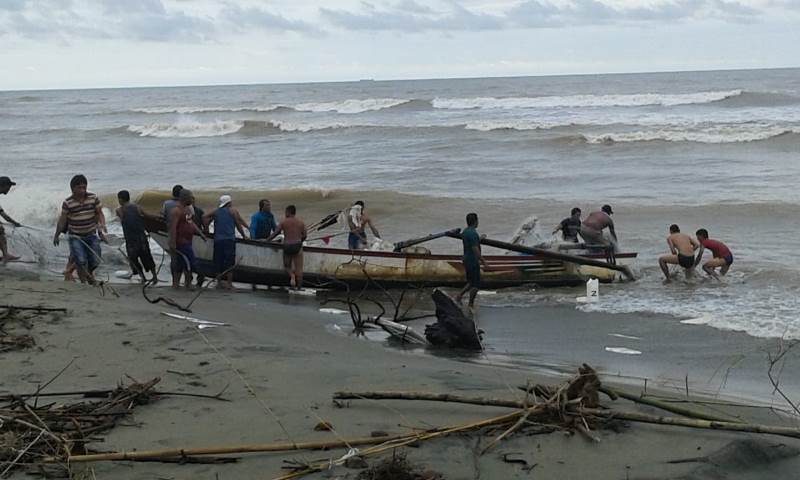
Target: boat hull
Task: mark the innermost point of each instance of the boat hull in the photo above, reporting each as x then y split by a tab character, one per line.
261	263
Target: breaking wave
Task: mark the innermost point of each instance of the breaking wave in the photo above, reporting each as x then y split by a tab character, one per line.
352	105
187	129
577	101
715	135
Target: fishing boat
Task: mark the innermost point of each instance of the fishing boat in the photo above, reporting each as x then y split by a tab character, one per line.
261	263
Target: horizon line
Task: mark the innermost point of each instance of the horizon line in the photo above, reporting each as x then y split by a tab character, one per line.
415	79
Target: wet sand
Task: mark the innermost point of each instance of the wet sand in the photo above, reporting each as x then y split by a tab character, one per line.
294	359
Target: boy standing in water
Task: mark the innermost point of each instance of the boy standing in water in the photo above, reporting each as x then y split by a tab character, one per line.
294	233
681	247
570	226
472	259
137	244
722	255
5	187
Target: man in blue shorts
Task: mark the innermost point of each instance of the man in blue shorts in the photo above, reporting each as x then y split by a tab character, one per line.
227	221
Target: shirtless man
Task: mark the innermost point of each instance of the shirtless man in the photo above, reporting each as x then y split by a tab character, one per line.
358	220
593	225
682	249
722	254
294	233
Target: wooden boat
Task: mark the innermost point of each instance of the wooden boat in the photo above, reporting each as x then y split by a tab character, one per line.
261	263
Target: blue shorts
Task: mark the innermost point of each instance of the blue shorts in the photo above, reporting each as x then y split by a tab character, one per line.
728	259
473	274
224	254
184	259
85	251
354	241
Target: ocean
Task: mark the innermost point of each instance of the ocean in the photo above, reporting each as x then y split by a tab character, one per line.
717	150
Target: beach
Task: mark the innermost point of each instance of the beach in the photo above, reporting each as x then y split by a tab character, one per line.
294	358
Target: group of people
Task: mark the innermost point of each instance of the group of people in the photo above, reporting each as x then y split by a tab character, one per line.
184	220
590	229
83	221
684	250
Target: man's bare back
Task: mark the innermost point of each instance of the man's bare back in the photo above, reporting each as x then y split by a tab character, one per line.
294	230
598	221
682	243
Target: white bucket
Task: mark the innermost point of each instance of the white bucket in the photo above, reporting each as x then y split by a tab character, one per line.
592	290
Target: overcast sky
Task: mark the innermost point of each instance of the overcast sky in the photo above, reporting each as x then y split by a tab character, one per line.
107	43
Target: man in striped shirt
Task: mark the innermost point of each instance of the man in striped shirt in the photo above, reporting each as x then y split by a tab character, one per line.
82	218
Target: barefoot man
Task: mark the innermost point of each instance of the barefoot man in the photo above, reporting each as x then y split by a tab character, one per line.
83	220
294	233
5	187
182	230
681	247
723	258
472	259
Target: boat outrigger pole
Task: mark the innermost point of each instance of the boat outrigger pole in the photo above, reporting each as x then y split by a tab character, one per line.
549	254
399	246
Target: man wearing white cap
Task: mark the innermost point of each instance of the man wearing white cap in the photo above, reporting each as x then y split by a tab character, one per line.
5	187
226	221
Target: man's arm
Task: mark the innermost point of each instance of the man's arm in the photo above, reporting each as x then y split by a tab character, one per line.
304	235
671	246
611	230
254	226
208	218
559	227
276	232
240	224
60	226
372	227
476	249
699	256
9	219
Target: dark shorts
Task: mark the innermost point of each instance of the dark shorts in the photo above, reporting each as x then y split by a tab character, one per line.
728	259
473	273
353	241
184	259
292	249
224	254
85	251
686	261
139	255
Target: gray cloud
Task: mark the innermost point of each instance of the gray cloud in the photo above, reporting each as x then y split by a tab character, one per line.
254	17
409	16
141	20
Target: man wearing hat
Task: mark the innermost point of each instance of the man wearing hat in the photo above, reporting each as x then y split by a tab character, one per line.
226	221
5	187
592	228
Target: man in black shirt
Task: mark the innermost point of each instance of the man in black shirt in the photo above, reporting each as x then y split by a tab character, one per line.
570	226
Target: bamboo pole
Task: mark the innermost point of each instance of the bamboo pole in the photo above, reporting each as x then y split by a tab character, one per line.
432	397
686	412
394	440
691	423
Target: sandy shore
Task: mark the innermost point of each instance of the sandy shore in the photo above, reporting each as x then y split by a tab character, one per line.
294	359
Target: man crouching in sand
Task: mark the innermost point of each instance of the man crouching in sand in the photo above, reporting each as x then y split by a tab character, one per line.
682	249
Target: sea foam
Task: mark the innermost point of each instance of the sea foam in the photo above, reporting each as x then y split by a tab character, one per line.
577	101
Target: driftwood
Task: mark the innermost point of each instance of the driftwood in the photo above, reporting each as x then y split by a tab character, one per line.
432	397
34	308
452	328
31	433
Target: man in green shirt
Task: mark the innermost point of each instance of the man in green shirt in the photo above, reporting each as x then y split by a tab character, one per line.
472	259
